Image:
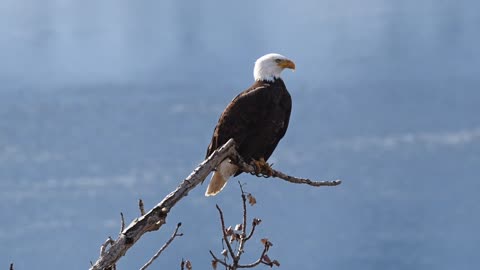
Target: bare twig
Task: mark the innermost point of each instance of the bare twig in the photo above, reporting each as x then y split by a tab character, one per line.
175	234
141	207
224	231
243	236
257	262
122	227
255	222
103	247
11	266
296	180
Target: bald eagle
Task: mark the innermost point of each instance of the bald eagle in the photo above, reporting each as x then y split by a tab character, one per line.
256	119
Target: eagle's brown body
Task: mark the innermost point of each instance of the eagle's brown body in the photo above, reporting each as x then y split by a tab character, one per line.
256	119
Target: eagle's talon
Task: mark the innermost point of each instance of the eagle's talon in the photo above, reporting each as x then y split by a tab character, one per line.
268	170
262	168
257	167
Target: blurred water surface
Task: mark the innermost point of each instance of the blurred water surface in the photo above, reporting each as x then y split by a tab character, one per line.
105	102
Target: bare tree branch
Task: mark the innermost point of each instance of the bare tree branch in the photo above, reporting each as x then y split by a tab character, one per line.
175	234
122	227
243	236
257	262
278	174
156	217
141	207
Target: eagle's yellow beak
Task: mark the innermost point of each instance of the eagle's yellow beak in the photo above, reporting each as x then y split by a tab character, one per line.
287	64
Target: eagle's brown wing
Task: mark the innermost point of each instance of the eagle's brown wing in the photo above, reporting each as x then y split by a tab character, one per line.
256	119
240	118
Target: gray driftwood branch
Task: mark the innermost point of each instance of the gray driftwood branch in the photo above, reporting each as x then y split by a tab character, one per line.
248	168
156	217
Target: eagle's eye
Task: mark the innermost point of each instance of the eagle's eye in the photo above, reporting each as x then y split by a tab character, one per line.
278	60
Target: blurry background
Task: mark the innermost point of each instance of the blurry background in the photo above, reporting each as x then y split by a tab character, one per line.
105	102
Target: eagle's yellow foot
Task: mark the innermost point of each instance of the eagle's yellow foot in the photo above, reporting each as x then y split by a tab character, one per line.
262	168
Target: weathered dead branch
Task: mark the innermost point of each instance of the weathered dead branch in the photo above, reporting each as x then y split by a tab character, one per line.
141	207
248	168
156	217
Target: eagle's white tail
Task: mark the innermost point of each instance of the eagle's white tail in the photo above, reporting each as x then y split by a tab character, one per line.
220	177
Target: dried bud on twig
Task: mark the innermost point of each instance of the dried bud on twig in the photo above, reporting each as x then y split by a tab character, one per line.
266	259
256	221
251	200
214	265
234	237
266	243
225	253
188	264
238	227
229	231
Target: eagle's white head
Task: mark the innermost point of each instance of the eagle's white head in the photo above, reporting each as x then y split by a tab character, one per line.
269	66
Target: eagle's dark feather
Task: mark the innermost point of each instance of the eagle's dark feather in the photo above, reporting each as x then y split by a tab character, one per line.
256	119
